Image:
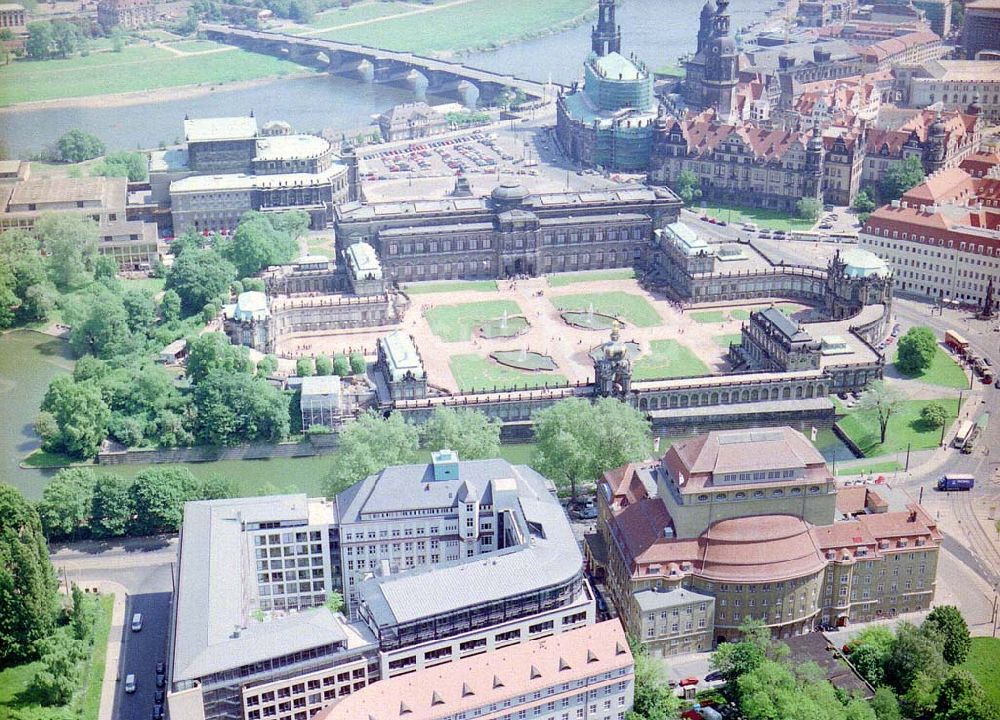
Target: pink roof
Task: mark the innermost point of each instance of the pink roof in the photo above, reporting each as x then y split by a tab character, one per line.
761	548
490	678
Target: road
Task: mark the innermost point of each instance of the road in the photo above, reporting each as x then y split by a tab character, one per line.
143	567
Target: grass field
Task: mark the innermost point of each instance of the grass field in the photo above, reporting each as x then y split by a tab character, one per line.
474	24
135	68
942	371
668	359
905	428
633	309
152	285
709	317
455	323
360	12
161	35
570	278
475	372
442	286
190	46
984	663
766	219
724	340
883	467
15	682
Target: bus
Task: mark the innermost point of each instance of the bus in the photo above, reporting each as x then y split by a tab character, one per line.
844	237
955	341
964	433
806	236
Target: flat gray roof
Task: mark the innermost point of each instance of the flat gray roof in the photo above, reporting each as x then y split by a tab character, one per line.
651	599
220	128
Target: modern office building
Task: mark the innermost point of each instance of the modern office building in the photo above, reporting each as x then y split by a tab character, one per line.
981	30
438	562
587	673
745	524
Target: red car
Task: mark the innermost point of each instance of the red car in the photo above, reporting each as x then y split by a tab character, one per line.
688	681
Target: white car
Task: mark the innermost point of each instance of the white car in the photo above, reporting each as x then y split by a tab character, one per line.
130	683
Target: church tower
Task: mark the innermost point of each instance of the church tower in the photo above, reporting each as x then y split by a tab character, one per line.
606	36
705	24
721	66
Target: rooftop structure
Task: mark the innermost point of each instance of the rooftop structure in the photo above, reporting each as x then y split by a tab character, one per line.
251	305
363	261
321	401
290	147
198	130
401	355
594	661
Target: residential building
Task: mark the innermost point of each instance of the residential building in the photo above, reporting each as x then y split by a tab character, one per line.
411	121
585	673
609	122
953	85
511	232
739	163
910	49
748	520
981	30
128	14
942	239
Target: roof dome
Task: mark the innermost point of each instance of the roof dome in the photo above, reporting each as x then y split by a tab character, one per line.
509	191
861	263
762	547
708	9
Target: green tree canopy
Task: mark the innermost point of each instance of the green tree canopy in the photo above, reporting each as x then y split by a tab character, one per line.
27	580
946	622
159	495
368	445
66	501
654	699
883	400
961	697
863	201
170	306
577	441
916	350
808	208
239	408
324	365
257	243
113	506
71	244
306	367
687	186
358	364
105	333
900	177
199	276
131	165
913	652
468	432
212	353
933	414
80	417
885	704
23	281
76	146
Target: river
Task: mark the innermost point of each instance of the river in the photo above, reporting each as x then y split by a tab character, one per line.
657	31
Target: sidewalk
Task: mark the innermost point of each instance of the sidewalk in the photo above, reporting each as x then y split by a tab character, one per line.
110	684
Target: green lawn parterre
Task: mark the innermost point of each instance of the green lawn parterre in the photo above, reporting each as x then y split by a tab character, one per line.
726	339
904	428
984	663
633	309
456	323
943	371
137	67
765	219
570	278
473	372
668	359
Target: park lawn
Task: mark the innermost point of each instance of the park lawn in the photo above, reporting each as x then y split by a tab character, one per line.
41	459
361	12
882	467
160	35
726	339
455	323
476	24
668	359
473	372
90	703
765	219
191	46
569	278
150	285
320	245
942	371
743	314
984	663
633	309
13	682
905	428
709	317
444	286
133	69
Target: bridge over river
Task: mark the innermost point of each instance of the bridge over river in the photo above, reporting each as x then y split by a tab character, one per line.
469	85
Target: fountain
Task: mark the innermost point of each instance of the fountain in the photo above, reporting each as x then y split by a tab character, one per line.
590	314
524	354
503	320
588	319
524	359
505	326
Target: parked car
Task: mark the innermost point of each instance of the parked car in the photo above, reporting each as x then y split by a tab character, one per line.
130	683
158	697
137	622
714	676
161	674
157	713
688	681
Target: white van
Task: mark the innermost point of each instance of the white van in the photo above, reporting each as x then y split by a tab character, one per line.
130	683
137	622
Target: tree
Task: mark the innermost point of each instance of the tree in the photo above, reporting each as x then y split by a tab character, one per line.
469	433
654	699
913	653
882	399
869	651
885	704
199	276
901	177
305	367
82	615
23	273
808	209
863	202
66	38
267	365
80	415
105	333
293	223
40	40
324	365
140	311
358	364
933	415
76	146
256	244
961	697
159	495
735	659
579	440
131	165
212	353
27	580
334	602
368	445
916	350
341	366
688	187
170	306
58	676
113	507
947	622
71	244
239	408
66	501
105	270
